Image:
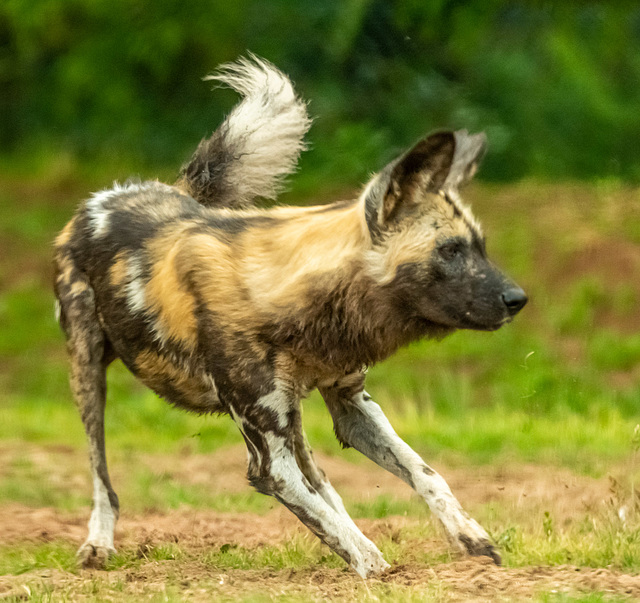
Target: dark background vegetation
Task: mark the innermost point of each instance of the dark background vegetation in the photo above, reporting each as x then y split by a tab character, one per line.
556	85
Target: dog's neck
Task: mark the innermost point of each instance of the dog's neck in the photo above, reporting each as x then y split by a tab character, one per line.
350	322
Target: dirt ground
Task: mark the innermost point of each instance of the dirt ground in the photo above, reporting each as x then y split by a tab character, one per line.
474	579
523	490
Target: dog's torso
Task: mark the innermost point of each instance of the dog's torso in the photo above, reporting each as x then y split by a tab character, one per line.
195	300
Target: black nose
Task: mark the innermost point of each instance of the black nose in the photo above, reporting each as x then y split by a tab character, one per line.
515	299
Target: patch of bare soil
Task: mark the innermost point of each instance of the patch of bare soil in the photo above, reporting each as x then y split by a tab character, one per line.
473	579
193	529
522	490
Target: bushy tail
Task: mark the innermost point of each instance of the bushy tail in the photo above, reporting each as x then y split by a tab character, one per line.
257	145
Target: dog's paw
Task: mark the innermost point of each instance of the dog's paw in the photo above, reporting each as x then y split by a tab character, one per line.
369	563
94	556
480	547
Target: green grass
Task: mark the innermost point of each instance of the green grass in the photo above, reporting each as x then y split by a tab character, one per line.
19	559
593	541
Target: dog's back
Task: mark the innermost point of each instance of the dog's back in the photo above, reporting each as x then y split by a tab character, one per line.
188	296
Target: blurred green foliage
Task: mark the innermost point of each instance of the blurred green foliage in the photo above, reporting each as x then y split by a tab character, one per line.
555	85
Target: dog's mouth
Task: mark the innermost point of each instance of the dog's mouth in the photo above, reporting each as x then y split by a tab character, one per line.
477	325
506	320
501	323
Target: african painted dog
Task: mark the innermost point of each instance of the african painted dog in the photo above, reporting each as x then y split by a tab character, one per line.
221	307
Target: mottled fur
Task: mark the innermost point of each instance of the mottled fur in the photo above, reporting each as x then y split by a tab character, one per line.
244	311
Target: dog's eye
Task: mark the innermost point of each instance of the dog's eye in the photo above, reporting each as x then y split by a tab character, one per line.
450	251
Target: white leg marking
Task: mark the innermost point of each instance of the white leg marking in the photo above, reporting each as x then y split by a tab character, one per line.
279	402
314	474
98	546
336	529
368	430
329	493
103	520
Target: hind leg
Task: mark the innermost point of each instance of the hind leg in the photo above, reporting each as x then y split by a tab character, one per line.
90	354
89	387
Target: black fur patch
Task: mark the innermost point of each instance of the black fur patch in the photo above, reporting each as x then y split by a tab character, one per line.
206	173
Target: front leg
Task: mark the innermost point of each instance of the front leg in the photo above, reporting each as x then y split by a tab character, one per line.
315	475
360	423
270	426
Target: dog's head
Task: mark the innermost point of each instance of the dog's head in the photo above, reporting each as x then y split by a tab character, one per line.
428	251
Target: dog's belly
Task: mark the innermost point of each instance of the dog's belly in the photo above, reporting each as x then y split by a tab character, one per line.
166	369
186	387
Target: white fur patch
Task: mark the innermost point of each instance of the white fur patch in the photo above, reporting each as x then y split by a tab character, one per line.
98	208
265	131
103	519
279	402
98	213
136	300
328	492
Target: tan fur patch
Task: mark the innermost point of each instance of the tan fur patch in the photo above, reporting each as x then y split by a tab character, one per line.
66	234
119	270
282	262
214	272
64	263
165	292
79	287
156	370
65	269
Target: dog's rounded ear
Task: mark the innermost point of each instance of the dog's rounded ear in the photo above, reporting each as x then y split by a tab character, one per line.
424	167
402	182
443	160
469	151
